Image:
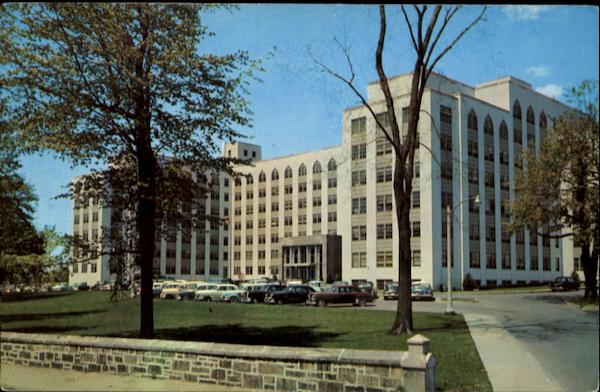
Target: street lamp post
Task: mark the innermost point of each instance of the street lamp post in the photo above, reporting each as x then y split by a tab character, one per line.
449	212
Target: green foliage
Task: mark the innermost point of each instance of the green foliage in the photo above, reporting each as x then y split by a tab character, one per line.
558	188
124	85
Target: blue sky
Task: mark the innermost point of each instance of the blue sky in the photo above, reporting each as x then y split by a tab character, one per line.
299	108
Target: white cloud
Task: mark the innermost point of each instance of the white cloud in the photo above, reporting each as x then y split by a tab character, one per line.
551	90
525	12
539	71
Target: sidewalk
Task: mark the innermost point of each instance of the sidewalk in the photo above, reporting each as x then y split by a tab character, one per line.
509	365
23	378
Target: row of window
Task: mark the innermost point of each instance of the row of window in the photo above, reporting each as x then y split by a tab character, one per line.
288	173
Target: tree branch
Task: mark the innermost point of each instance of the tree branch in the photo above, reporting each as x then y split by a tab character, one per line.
447	49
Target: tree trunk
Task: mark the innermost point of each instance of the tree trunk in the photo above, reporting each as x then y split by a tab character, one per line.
589	263
146	229
147	169
403	321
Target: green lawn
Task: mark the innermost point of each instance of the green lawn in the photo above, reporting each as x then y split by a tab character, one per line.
90	313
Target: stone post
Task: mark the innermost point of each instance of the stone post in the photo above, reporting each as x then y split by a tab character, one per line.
419	364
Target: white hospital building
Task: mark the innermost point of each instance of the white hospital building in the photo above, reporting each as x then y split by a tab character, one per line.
329	214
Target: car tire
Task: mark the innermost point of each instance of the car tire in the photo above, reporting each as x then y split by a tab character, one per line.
279	302
361	302
321	303
255	301
207	299
233	300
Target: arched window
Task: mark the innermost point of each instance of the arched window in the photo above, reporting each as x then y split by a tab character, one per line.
332	166
288	172
262	177
488	126
472	121
543	121
517	110
249	179
503	130
530	116
302	170
317	168
274	175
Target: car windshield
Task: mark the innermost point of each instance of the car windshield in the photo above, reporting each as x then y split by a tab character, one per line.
392	286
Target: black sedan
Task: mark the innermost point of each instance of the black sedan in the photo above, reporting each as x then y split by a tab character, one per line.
564	283
258	293
292	294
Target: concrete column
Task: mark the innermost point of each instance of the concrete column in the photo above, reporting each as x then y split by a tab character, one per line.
419	364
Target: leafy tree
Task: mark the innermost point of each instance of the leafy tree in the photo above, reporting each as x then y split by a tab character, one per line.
124	84
557	191
425	44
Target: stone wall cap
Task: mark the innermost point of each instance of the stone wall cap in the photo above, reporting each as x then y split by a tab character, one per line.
347	356
418	339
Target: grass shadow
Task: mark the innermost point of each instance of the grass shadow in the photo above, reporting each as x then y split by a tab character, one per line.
45	329
238	334
17	297
8	318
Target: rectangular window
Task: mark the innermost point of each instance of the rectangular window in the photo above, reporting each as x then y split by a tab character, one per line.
359	177
332	182
332	200
359	233
302	187
316	201
416	199
384	259
359	260
416	258
316	185
383	146
332	216
384	174
359	151
359	205
359	126
316	218
416	229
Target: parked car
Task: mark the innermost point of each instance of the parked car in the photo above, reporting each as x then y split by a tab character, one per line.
83	286
61	287
232	295
368	287
421	291
212	291
189	291
256	294
564	283
391	290
291	294
316	283
340	283
171	290
340	295
157	288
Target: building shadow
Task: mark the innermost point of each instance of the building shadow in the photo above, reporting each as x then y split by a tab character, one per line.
238	334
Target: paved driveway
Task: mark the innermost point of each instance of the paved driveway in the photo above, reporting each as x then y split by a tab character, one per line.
561	338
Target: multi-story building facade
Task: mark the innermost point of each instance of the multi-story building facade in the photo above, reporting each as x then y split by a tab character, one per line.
329	214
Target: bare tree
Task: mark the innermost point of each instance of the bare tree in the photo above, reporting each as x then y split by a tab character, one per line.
424	43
